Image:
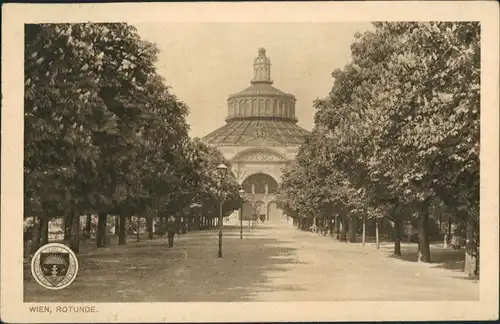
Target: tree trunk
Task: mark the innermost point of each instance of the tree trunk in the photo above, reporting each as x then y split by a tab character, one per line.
337	226
160	228
138	228
101	234
352	228
179	223
122	229
67	225
88	227
117	224
471	267
192	219
343	231
149	224
197	225
424	251
183	222
397	235
449	227
74	242
44	230
377	241
129	224
364	230
35	241
476	245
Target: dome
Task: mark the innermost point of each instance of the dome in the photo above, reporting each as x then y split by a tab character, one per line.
259	114
258	132
261	89
261	99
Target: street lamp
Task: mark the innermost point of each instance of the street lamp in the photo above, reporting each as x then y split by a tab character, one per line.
222	170
242	196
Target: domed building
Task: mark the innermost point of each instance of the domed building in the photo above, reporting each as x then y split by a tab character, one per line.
261	136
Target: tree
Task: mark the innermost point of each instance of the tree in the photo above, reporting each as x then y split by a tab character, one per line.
401	125
404	91
58	101
204	182
98	121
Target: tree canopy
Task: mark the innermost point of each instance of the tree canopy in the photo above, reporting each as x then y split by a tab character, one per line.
400	126
103	132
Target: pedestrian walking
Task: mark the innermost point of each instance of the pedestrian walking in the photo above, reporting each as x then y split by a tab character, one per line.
171	230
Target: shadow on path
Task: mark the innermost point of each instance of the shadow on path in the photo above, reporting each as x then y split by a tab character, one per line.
190	271
443	258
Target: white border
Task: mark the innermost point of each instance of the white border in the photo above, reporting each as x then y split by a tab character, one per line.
15	15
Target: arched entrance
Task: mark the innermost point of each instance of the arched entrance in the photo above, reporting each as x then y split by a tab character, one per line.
261	190
260	183
274	214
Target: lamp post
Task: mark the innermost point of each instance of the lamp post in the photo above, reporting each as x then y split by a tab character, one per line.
242	196
222	170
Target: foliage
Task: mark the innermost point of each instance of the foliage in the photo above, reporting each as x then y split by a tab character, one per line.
103	132
399	127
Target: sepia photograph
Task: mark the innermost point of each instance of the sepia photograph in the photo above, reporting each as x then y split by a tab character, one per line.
252	162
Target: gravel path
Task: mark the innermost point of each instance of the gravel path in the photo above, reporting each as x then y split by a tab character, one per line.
272	263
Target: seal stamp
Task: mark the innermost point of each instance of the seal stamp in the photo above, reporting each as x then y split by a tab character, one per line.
54	266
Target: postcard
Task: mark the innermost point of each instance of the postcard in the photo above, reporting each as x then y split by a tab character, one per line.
250	162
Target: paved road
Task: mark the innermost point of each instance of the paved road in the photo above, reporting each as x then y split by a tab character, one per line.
274	263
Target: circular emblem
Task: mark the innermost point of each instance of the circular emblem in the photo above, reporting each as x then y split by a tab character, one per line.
54	266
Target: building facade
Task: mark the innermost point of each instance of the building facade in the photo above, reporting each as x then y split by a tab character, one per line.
260	138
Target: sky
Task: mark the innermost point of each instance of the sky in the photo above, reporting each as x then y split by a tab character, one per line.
204	63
